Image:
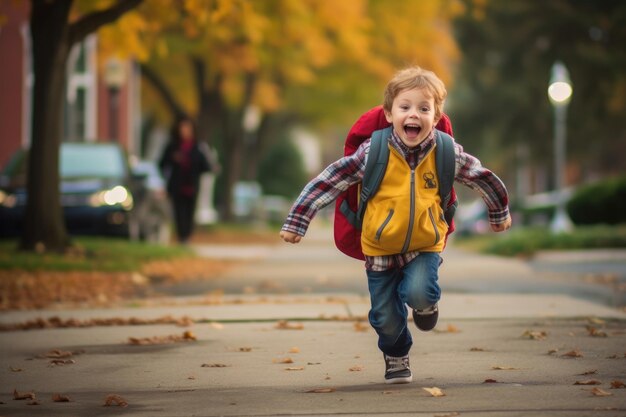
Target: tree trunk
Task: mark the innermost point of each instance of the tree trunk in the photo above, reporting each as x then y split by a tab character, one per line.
44	228
52	38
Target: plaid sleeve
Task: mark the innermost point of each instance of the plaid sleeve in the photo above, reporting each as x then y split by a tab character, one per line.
325	188
471	173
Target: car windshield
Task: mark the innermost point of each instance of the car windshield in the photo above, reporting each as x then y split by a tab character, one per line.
85	160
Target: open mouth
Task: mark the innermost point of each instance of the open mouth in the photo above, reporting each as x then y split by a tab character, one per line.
412	130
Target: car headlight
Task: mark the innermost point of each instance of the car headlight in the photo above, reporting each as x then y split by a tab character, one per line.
7	200
114	196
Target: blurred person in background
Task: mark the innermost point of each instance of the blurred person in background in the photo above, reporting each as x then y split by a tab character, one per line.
183	161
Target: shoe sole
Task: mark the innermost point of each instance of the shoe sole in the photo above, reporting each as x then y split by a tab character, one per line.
399	380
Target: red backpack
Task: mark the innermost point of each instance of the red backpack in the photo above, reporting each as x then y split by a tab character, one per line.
347	231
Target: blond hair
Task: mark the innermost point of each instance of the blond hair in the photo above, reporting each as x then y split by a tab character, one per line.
416	77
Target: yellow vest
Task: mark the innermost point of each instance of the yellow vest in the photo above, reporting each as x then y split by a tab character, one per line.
405	214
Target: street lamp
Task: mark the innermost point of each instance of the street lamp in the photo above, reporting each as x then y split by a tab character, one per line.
560	93
114	78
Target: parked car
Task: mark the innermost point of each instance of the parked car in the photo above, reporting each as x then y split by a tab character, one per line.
100	195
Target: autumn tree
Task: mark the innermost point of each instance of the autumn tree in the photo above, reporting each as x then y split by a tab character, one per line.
294	60
53	31
502	104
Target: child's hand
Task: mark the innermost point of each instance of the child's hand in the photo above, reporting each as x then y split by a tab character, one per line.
290	237
501	227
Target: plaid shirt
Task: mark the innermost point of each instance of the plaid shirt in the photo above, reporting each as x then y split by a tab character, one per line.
349	170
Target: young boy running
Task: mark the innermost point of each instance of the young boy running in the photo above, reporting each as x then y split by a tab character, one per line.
402	262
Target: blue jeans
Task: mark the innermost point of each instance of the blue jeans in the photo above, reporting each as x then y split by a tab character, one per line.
414	285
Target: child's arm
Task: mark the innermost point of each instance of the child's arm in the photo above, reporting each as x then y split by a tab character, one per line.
471	173
323	190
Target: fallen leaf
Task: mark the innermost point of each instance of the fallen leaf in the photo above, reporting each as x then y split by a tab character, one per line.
188	335
284	360
216	325
58	354
434	392
60	398
294	350
535	335
552	351
489	381
600	393
590	372
321	390
285	325
162	340
617	384
12	369
61	362
214	365
478	349
114	399
23	395
295	368
361	327
573	354
314	363
245	349
594	332
356	368
504	368
588	382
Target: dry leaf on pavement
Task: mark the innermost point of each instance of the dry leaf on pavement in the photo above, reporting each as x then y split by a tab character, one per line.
434	392
295	368
504	368
590	372
285	325
535	335
214	365
23	395
573	354
294	350
617	384
321	390
600	393
588	382
60	398
359	326
594	332
115	400
356	368
161	340
490	381
284	360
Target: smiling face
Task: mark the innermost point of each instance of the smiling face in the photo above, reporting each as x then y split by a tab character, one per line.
412	115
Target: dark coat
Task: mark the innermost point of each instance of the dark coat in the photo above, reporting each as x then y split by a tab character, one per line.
174	174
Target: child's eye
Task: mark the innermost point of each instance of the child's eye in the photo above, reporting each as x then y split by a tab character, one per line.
425	109
404	107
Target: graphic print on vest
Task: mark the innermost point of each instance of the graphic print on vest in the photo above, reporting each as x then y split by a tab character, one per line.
429	179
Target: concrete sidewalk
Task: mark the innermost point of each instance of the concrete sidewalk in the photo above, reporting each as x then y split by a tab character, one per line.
247	363
314	354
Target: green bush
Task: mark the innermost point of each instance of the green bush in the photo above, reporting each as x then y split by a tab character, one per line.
600	203
529	241
281	171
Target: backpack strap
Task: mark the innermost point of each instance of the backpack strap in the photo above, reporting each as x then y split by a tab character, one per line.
375	167
445	159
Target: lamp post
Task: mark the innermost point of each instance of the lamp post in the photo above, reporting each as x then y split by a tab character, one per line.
114	78
560	93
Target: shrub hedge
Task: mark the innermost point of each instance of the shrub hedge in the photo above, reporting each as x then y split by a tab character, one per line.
600	203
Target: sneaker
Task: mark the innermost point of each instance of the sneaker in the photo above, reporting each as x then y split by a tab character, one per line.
426	319
397	370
